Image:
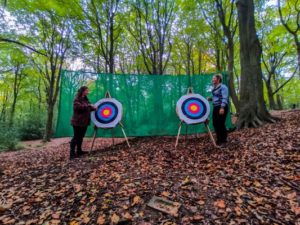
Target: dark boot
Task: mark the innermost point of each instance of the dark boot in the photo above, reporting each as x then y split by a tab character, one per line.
72	149
79	149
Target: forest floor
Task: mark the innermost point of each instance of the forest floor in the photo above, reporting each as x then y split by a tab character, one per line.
254	179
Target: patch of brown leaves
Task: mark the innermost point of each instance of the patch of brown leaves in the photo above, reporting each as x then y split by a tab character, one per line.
254	178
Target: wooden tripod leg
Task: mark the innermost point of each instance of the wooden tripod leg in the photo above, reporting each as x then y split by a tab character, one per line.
124	134
179	129
95	134
210	135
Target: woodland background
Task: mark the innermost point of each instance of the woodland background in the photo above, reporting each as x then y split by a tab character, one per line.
40	38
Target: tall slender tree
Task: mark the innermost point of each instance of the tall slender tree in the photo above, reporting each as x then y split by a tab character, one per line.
55	36
101	30
152	32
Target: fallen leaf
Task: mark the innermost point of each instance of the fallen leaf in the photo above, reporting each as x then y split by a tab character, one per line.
127	216
74	222
220	204
165	193
296	210
55	215
238	210
201	202
5	207
198	217
257	184
115	219
101	219
136	200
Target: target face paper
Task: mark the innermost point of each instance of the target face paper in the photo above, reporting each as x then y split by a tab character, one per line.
193	108
108	113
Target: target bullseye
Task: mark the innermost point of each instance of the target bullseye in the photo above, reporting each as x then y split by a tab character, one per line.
193	108
108	113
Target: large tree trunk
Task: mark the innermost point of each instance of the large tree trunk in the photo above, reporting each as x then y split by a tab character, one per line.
253	111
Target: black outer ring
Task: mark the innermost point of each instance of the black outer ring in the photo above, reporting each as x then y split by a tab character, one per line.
193	117
112	119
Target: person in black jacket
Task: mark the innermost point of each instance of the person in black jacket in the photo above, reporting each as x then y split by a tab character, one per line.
80	120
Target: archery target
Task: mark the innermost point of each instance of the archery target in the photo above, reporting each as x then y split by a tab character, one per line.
192	108
108	113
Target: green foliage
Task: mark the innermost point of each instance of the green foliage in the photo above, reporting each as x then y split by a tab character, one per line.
31	129
291	93
193	40
8	137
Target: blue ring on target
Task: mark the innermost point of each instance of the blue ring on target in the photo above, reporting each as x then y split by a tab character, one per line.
191	115
109	119
105	106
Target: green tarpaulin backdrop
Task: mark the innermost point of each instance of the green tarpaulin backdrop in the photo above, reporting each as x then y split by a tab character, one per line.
149	101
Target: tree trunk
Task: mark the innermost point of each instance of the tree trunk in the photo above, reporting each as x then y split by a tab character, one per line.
279	99
199	61
253	111
218	60
111	45
298	51
13	109
230	68
279	102
270	95
48	132
4	106
16	88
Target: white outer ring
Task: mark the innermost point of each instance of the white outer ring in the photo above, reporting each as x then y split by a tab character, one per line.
186	119
116	120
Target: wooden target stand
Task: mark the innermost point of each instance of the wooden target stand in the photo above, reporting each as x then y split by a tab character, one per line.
190	91
107	95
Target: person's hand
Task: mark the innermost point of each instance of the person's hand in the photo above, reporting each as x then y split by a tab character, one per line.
93	108
221	112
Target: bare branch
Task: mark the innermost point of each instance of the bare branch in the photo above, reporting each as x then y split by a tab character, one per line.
22	44
288	80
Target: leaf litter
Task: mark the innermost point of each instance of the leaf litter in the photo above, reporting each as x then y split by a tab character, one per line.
254	179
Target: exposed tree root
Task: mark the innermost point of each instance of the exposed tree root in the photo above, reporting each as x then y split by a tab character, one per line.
251	119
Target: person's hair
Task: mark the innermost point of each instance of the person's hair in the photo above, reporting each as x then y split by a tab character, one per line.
81	90
219	77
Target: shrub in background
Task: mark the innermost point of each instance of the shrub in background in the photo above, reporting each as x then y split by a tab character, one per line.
9	137
31	128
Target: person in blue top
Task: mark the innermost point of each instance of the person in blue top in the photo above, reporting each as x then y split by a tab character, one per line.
220	101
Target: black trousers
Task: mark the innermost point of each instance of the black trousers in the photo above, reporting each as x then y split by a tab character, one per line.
219	124
79	133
